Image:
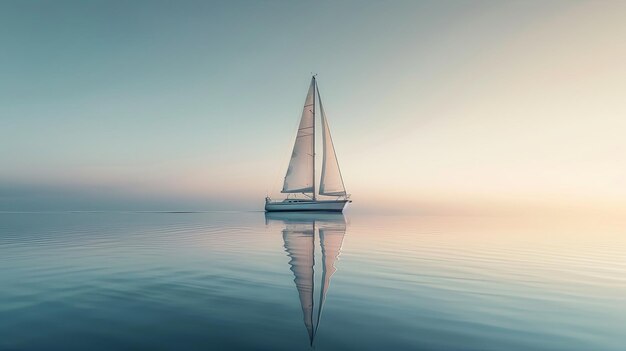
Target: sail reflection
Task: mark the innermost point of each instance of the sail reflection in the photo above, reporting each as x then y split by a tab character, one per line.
300	243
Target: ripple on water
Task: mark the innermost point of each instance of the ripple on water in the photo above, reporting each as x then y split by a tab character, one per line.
193	280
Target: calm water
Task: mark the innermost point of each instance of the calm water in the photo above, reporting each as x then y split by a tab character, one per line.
209	281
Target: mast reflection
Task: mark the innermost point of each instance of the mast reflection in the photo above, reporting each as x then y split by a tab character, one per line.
299	241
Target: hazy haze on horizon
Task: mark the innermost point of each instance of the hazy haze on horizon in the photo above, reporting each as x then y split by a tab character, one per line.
436	107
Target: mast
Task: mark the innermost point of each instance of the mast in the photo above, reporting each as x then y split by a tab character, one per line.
314	90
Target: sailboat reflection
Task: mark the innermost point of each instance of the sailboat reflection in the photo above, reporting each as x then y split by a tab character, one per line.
299	238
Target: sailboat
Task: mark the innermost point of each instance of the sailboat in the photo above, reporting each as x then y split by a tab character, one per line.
300	177
299	242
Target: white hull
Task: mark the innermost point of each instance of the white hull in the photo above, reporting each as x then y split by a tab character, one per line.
306	205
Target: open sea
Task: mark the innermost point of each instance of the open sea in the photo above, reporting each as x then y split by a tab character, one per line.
251	281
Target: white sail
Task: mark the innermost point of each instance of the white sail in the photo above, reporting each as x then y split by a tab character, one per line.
331	183
300	246
300	177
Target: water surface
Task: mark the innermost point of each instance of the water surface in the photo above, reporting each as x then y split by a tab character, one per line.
243	280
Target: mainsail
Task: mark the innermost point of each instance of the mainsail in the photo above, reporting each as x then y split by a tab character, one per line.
331	183
300	177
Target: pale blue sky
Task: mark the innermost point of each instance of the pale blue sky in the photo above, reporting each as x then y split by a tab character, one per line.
194	104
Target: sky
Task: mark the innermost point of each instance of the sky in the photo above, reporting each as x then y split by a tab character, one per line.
434	106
